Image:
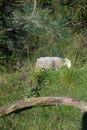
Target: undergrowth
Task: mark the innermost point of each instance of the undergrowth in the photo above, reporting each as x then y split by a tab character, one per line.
69	76
25	82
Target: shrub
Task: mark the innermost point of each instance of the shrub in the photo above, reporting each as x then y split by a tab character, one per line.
37	78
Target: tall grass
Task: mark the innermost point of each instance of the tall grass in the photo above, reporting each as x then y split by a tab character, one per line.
37	78
69	76
55	117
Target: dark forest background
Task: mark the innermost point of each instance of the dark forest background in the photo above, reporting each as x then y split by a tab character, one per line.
57	28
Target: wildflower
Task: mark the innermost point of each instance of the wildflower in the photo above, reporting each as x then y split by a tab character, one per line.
29	83
23	76
18	64
14	67
35	89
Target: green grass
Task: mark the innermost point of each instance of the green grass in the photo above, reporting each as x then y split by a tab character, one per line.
13	88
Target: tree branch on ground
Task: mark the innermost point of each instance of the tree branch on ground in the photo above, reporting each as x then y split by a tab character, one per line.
43	101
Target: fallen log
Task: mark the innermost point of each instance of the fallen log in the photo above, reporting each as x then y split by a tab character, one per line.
42	101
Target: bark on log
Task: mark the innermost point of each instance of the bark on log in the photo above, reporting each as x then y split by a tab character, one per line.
42	101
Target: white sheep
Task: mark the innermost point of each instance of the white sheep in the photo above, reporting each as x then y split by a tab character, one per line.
52	62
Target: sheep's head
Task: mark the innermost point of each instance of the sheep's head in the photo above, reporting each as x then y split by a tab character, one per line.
68	63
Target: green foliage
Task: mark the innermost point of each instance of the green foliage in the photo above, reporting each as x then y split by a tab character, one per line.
37	78
12	36
74	12
13	87
69	77
33	92
47	34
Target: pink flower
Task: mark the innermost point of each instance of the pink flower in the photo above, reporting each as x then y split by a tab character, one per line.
29	83
14	67
23	75
18	64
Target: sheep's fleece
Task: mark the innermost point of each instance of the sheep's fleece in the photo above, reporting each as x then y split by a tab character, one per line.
52	63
